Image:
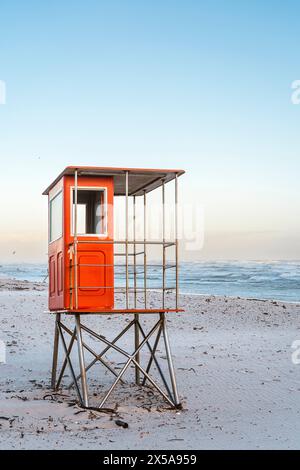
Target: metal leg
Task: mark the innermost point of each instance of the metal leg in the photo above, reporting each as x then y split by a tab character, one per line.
153	358
69	362
55	352
66	359
81	362
153	352
170	401
170	361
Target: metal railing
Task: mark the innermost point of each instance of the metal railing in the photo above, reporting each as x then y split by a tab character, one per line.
127	272
134	254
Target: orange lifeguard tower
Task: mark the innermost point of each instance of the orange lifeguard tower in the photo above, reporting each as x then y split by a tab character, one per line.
82	250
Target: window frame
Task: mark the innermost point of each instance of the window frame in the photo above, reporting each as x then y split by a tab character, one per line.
59	192
89	188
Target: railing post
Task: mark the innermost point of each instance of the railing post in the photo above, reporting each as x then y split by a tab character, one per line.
76	242
145	250
136	316
163	239
126	238
176	238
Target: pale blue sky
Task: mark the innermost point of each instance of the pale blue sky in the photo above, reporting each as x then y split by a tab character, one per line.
204	86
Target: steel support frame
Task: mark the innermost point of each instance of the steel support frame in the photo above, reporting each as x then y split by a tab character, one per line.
169	388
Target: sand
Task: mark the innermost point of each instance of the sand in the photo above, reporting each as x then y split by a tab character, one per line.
238	384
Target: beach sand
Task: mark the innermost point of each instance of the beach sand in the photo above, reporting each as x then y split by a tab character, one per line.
238	384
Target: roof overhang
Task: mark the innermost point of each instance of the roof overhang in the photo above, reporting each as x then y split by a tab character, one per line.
140	180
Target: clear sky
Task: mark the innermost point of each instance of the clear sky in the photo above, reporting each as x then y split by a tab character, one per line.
199	85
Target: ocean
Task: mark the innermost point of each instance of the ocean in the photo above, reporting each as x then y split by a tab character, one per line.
278	280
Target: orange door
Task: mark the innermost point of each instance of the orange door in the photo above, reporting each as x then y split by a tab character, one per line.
95	253
95	276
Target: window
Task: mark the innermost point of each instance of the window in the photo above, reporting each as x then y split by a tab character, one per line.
91	213
56	217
